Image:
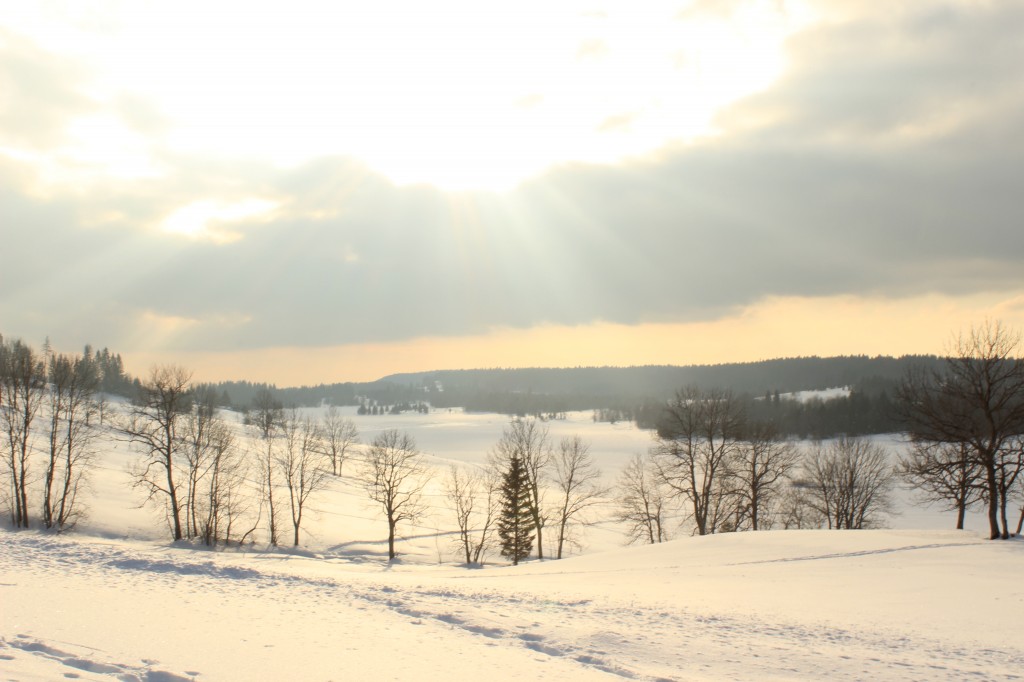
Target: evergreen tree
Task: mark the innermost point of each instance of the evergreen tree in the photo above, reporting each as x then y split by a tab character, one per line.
516	526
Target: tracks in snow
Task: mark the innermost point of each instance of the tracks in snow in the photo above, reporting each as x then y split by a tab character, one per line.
600	635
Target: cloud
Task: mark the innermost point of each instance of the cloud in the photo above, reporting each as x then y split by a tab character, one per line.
883	164
41	93
918	71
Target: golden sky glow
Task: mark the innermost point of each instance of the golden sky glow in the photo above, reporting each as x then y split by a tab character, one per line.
777	328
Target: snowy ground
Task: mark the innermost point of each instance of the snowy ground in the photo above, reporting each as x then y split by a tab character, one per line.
117	601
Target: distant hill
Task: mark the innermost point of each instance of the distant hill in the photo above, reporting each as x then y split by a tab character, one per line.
785	375
636	394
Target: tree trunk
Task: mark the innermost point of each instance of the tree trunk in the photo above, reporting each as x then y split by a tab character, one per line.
753	508
993	499
1005	535
175	512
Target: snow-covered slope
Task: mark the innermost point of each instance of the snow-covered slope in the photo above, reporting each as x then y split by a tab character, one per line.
116	600
897	605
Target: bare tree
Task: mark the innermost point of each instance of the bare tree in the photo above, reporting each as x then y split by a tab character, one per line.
300	459
527	440
642	501
72	404
759	471
198	449
475	499
153	422
796	509
697	441
22	392
577	483
976	400
220	501
394	477
1011	463
848	481
340	434
944	473
266	416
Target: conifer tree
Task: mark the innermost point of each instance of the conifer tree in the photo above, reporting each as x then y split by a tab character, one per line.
516	525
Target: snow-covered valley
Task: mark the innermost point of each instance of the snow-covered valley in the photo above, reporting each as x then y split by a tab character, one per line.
116	600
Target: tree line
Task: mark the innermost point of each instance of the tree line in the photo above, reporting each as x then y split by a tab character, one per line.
723	471
635	394
716	464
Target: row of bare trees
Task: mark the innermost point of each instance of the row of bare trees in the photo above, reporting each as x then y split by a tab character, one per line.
527	486
709	465
966	424
58	391
719	472
194	469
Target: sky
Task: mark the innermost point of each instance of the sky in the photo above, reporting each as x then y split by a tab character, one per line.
313	192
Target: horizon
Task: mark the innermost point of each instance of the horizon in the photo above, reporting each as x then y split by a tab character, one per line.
323	191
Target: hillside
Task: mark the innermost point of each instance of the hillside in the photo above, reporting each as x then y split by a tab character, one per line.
116	600
888	605
785	375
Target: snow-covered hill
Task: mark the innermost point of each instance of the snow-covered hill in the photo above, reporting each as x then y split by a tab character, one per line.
116	600
897	605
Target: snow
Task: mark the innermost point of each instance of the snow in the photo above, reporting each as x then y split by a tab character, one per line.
116	600
824	394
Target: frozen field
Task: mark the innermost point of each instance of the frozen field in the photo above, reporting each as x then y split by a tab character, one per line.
116	600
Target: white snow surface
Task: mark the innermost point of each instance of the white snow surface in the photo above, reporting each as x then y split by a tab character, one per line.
823	394
115	600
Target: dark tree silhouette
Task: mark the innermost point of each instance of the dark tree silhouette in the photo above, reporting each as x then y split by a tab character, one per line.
516	524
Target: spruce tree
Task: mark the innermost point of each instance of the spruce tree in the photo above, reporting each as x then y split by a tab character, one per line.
516	526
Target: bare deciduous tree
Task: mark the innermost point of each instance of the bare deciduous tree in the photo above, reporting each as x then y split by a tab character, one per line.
642	501
72	404
848	481
759	470
265	416
221	501
796	510
976	400
394	477
697	441
300	459
527	440
197	449
153	422
577	483
944	473
474	496
340	435
22	392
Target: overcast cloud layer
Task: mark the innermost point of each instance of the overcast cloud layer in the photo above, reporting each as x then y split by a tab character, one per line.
885	161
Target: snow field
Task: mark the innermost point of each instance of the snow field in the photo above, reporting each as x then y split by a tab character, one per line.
116	600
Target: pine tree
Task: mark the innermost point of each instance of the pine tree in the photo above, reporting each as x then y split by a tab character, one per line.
516	526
